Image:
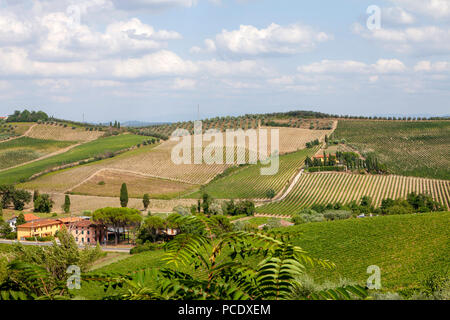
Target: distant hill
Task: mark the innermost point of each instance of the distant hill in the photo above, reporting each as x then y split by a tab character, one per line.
141	123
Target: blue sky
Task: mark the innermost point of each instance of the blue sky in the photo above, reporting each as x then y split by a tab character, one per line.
156	60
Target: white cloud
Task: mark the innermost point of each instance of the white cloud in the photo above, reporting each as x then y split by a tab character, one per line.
228	68
153	4
433	8
160	63
16	62
184	84
397	15
420	40
350	66
12	30
61	38
428	66
274	39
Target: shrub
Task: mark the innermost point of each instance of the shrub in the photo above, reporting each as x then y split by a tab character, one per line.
182	211
148	246
337	214
43	204
270	193
307	218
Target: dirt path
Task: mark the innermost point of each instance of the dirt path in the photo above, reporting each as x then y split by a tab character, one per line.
283	194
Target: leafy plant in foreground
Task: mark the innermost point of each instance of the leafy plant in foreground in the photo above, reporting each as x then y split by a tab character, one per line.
223	269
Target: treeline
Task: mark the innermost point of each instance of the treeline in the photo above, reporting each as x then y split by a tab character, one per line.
313	143
413	203
27	116
351	160
149	133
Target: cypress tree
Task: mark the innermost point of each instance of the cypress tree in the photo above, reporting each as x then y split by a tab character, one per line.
124	195
146	201
66	206
35	195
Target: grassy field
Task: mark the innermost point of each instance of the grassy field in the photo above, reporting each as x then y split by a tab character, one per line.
248	183
407	248
25	149
85	151
324	188
418	148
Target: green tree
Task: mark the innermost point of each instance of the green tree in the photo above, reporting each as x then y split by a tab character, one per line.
66	205
7	194
117	219
41	272
270	194
146	201
43	204
20	198
206	202
150	229
124	195
20	219
35	195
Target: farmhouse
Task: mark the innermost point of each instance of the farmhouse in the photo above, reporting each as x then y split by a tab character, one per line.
4	118
28	217
87	232
38	228
321	158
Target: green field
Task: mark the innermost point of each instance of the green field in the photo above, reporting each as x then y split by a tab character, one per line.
407	248
418	148
248	183
25	149
84	151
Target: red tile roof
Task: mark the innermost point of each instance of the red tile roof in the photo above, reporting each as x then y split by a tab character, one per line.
70	219
84	223
29	217
39	223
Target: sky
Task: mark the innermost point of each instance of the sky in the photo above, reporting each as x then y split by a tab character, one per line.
158	60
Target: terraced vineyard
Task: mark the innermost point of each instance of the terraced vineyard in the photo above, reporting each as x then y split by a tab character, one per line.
301	121
324	188
107	183
410	148
248	183
13	129
62	132
157	163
